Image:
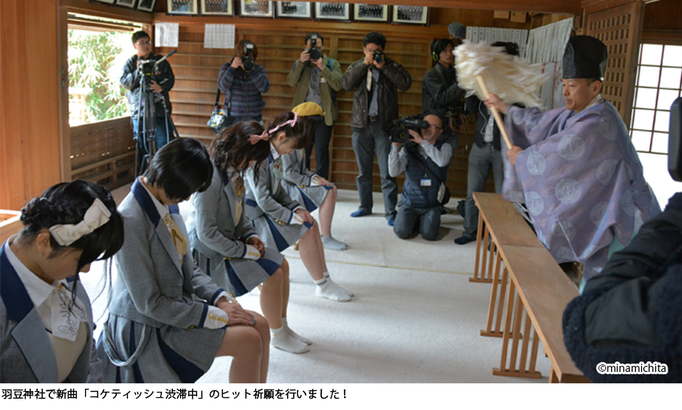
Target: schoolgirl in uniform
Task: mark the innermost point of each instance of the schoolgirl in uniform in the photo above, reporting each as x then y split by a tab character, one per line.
167	320
45	314
308	188
279	220
226	245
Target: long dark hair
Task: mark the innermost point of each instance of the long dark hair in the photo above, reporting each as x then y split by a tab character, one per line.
233	147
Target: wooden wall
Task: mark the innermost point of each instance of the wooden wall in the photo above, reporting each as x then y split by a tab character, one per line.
663	22
29	108
280	43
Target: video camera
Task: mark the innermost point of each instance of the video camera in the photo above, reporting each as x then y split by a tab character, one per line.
315	53
247	61
148	69
401	134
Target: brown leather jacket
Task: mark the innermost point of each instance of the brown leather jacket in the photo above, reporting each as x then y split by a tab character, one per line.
393	77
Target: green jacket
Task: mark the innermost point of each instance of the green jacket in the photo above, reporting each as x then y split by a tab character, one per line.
300	77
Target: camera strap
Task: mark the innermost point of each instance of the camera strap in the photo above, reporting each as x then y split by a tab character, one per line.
413	150
229	101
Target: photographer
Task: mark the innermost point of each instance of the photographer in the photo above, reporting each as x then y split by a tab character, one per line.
374	81
161	83
424	159
440	91
243	81
318	78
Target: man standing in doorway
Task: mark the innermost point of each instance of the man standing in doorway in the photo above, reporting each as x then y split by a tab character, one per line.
162	82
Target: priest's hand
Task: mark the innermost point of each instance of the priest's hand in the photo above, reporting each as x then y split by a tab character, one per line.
496	102
512	153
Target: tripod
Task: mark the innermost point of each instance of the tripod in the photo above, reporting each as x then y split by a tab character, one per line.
145	129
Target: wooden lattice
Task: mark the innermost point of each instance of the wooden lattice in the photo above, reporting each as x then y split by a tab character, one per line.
620	30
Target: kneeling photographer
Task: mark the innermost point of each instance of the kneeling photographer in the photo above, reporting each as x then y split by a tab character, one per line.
424	158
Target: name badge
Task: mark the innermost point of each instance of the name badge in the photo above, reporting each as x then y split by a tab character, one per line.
323	80
426	182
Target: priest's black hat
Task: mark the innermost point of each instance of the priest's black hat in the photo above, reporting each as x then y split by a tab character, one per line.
585	57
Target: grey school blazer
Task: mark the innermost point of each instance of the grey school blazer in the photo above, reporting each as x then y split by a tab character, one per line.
267	196
151	282
26	354
217	225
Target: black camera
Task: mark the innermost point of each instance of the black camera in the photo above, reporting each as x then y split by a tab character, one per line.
378	56
315	53
147	68
247	61
401	134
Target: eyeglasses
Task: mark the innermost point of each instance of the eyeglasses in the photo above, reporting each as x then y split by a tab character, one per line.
435	127
143	43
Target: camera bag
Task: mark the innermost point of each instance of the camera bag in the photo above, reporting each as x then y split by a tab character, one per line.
219	118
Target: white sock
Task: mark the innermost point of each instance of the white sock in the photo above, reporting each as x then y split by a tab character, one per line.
326	275
283	340
293	334
331	243
326	288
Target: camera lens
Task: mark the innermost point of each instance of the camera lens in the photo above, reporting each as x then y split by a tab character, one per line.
378	56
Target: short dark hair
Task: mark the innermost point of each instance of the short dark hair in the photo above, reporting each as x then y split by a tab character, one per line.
140	34
375	38
181	168
67	203
309	36
440	44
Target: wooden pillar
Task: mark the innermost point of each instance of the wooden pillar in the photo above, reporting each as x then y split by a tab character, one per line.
29	107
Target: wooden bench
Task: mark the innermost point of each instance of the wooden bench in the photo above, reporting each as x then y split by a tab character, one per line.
529	292
510	228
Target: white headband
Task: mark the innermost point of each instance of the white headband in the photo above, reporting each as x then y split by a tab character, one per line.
96	216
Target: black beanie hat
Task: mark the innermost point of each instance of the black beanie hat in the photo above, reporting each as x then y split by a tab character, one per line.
585	57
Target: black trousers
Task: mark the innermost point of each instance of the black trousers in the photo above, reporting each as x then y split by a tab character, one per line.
323	134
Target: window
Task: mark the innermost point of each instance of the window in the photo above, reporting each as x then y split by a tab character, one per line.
98	49
659	81
659	78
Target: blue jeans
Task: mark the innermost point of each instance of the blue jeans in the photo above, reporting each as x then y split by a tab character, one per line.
161	128
365	143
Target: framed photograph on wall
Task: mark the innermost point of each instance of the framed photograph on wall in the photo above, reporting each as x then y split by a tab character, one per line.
146	5
411	14
182	7
256	8
126	3
332	11
370	12
298	9
220	7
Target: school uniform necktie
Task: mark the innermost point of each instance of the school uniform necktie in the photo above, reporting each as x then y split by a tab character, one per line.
179	239
239	206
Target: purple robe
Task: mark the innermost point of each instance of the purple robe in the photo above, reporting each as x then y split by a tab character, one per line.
581	180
